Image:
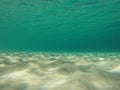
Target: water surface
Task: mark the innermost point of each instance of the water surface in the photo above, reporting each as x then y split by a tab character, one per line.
59	44
60	25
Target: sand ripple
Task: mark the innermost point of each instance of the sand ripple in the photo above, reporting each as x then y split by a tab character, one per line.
59	71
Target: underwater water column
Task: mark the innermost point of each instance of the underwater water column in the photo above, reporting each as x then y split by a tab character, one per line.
59	44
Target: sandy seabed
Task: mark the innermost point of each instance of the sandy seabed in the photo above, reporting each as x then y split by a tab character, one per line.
59	71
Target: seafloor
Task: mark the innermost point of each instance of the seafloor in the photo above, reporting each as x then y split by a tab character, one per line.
59	71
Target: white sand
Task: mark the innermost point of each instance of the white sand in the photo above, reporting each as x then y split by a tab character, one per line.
59	71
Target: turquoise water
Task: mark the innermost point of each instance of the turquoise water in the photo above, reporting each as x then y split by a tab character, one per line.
60	25
59	44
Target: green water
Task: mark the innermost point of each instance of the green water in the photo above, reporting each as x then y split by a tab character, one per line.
60	25
59	44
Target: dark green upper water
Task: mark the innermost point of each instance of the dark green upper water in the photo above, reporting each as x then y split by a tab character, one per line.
60	25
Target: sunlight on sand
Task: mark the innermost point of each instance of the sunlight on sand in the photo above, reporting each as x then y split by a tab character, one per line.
59	71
